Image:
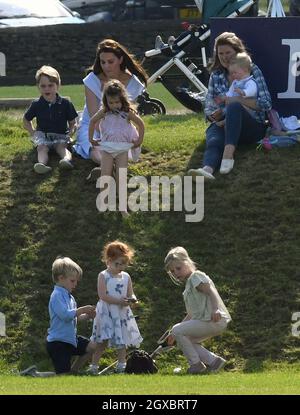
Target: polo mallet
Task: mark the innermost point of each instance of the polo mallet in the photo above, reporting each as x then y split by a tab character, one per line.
160	349
164	344
166	339
106	369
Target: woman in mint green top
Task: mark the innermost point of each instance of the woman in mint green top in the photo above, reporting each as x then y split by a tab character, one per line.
207	316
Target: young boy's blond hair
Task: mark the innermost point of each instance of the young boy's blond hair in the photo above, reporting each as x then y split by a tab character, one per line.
64	266
50	72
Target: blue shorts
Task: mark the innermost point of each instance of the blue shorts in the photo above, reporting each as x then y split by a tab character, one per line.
61	353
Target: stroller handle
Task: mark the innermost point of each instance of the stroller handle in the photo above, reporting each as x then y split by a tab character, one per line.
152	52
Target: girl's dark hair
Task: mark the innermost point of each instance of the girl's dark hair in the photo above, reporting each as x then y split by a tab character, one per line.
229	39
129	62
115	88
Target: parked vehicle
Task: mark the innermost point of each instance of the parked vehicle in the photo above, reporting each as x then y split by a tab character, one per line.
97	10
136	9
164	9
17	13
89	8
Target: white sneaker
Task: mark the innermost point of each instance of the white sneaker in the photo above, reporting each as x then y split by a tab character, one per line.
41	168
65	164
201	172
197	369
92	370
217	364
171	40
30	371
226	166
159	44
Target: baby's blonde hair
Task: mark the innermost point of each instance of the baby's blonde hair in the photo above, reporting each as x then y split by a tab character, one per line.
65	267
242	60
177	254
50	72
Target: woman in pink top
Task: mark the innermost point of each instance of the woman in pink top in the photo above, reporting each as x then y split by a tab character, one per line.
121	129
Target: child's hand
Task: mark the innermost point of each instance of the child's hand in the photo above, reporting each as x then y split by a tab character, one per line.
123	302
72	131
170	340
216	115
131	299
137	143
91	314
239	91
216	316
86	312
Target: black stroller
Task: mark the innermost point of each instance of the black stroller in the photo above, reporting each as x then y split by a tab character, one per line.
182	66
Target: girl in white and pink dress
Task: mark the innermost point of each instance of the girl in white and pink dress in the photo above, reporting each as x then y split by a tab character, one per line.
114	324
121	129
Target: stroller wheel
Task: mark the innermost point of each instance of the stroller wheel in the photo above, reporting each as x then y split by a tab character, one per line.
160	104
150	108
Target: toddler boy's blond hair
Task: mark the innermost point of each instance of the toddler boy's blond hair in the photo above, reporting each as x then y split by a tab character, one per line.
50	72
64	266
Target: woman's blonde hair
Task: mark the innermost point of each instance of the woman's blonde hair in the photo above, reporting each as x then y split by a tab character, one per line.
50	72
65	267
116	249
177	254
225	39
115	88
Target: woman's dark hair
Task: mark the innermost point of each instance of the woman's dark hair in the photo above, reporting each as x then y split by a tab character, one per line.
228	39
129	62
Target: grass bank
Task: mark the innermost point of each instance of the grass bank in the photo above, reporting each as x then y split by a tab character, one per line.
248	242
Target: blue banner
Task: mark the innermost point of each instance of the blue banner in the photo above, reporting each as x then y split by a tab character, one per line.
274	45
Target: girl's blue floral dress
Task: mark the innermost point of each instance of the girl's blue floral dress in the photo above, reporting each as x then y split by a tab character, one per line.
113	322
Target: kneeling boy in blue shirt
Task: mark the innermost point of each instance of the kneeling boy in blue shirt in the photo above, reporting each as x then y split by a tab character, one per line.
62	339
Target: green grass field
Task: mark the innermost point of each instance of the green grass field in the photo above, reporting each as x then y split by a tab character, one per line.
263	5
75	92
248	242
283	382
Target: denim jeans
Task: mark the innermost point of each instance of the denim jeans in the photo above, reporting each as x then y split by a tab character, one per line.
240	127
